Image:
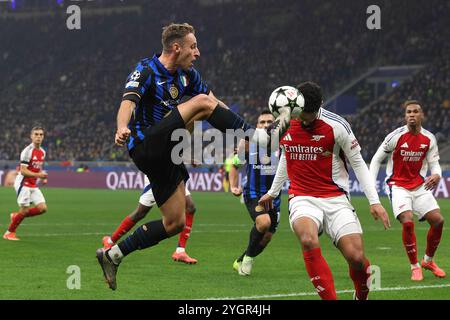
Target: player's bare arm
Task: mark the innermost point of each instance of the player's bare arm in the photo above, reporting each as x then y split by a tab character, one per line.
378	212
280	177
234	181
436	173
123	118
367	182
30	174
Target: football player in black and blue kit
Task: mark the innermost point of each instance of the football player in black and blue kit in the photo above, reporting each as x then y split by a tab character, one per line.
150	111
260	172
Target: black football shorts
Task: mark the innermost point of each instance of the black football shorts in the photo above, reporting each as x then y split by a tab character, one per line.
153	157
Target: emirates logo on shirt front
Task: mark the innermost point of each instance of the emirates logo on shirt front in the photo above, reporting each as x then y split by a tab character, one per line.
37	164
299	152
411	155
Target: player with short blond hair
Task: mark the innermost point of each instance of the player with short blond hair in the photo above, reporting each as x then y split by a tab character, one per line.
411	150
26	183
150	112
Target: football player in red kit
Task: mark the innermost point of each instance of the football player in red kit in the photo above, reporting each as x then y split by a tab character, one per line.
411	150
31	163
315	150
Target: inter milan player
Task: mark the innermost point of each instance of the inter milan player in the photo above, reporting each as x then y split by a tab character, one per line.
26	184
146	203
315	150
148	115
260	172
411	149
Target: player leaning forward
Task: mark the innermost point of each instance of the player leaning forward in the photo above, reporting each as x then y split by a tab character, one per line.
149	113
411	149
314	151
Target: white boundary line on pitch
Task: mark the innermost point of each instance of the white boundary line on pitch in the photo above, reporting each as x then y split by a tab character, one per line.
302	294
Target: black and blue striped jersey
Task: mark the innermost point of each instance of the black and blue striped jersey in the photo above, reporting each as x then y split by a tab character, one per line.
156	91
260	171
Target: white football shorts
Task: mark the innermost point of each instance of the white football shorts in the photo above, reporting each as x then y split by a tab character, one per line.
336	216
27	196
147	199
419	201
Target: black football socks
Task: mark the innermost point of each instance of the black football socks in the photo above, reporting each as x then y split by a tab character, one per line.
145	236
254	245
222	119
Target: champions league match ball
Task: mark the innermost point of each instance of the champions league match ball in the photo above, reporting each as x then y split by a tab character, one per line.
286	97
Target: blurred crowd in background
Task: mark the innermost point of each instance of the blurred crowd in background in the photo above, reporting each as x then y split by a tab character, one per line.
71	82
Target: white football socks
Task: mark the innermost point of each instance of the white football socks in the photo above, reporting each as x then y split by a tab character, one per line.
413	266
115	254
180	250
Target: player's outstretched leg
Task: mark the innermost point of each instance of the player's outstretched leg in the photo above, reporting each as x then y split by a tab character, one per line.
180	254
434	235
145	236
205	107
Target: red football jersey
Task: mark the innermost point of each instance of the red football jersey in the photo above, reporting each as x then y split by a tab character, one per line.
409	156
315	156
34	160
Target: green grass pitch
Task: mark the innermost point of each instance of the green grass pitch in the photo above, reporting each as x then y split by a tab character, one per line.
70	232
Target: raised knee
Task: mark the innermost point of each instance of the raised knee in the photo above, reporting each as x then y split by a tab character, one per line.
205	102
43	208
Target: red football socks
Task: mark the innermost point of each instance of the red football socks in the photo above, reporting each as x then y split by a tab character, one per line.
15	222
33	212
433	239
409	241
320	273
186	233
360	278
122	229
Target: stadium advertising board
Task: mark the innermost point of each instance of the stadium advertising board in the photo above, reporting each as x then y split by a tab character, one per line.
199	181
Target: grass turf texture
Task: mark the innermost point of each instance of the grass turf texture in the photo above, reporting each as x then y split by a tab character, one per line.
72	229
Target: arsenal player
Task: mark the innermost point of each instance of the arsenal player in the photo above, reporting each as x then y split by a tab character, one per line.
411	150
31	162
316	148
